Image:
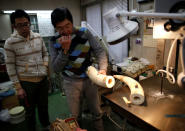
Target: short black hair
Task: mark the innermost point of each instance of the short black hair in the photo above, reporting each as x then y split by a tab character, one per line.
19	13
60	14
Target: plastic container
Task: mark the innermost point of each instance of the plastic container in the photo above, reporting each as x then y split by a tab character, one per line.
4	115
17	115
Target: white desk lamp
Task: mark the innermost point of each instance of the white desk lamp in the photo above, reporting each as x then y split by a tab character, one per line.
119	29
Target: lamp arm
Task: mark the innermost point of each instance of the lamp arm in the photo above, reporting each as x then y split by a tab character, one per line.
105	45
152	15
101	39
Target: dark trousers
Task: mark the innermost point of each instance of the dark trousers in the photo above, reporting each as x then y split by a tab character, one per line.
37	96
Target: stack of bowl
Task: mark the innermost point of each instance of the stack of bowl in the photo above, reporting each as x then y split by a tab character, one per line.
17	115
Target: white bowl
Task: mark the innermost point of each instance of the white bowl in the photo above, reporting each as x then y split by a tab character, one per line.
17	115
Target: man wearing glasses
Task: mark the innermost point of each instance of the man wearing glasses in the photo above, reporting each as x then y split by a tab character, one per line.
27	62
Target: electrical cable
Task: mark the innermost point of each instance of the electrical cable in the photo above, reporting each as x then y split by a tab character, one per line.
169	60
114	122
169	75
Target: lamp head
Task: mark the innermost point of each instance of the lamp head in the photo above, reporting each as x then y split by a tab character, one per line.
119	29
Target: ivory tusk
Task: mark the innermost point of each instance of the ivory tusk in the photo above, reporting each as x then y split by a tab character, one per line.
100	79
137	93
126	101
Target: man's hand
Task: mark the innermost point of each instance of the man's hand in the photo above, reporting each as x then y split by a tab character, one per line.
21	93
65	41
45	63
103	72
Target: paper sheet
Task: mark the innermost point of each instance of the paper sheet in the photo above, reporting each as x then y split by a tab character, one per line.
149	41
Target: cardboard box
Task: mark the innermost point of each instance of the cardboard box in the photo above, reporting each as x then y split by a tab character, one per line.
10	102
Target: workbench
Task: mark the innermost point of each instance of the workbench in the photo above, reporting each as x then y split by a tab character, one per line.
165	112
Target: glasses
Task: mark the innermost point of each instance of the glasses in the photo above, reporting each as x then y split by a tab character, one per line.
22	25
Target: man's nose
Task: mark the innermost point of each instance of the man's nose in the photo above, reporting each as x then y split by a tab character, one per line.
25	27
65	32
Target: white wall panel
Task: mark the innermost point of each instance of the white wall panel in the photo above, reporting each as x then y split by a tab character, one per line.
93	15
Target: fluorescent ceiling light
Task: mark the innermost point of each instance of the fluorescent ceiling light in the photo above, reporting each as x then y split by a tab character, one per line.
29	11
8	11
